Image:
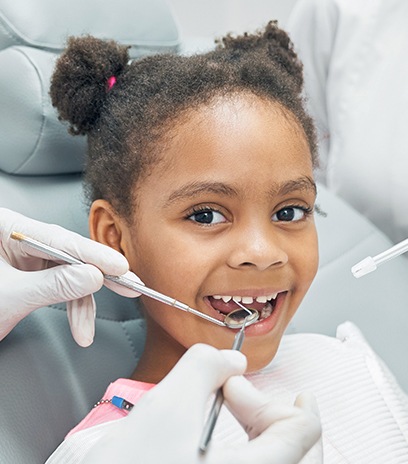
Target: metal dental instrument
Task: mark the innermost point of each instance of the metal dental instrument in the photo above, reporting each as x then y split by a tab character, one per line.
235	319
230	320
219	397
370	264
121	280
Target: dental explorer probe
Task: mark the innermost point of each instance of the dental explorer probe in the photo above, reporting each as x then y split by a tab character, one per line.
219	396
370	264
121	280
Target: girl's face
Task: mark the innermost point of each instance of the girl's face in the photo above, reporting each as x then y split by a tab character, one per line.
226	213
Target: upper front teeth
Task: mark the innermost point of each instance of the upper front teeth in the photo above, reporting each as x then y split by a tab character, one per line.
245	299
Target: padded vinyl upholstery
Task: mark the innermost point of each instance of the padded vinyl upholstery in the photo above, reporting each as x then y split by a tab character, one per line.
47	382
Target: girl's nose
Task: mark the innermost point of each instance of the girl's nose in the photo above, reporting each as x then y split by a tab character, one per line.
258	248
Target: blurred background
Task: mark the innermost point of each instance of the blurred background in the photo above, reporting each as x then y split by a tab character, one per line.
214	18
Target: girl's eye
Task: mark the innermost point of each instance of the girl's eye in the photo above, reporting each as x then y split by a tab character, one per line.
290	214
207	216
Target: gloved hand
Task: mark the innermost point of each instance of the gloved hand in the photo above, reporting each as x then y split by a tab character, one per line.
22	291
166	424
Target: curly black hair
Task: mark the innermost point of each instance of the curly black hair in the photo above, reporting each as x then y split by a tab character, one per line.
127	124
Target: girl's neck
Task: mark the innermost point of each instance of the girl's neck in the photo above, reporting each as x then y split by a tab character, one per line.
159	356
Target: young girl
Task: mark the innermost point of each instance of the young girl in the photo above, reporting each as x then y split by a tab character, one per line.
200	171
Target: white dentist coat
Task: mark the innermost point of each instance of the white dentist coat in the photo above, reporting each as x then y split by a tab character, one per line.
355	56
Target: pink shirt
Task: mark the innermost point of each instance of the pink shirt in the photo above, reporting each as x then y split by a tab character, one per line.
130	390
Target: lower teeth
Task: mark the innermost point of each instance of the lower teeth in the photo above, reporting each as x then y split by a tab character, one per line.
266	311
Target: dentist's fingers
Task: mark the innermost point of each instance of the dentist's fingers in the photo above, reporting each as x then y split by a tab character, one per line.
91	252
278	433
24	291
204	369
120	289
166	424
81	317
256	412
307	402
33	279
33	290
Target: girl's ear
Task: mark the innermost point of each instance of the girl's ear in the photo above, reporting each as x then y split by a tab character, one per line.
105	226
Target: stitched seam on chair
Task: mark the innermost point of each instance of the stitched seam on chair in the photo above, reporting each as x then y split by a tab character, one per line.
43	115
5	31
8	29
56	306
21	39
130	341
121	321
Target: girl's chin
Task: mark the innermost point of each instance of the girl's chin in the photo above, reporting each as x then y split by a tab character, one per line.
260	351
257	365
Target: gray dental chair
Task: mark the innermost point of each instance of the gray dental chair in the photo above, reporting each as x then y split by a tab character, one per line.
47	382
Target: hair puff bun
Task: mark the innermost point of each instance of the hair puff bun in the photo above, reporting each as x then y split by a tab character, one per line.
83	79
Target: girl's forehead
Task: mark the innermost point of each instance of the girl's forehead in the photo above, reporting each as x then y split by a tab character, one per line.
252	149
235	106
233	129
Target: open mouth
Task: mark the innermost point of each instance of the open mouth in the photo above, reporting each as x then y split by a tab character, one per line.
264	304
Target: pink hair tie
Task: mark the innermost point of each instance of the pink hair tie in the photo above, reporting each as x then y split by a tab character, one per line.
111	82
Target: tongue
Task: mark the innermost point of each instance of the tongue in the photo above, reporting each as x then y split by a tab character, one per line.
226	308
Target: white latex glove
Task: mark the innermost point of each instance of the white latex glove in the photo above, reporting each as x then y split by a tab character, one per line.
165	426
22	291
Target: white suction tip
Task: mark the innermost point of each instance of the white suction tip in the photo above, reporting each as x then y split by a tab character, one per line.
364	267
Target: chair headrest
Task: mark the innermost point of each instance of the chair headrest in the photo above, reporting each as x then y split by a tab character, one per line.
32	34
144	25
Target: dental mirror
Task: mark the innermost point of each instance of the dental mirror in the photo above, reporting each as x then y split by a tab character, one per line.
235	319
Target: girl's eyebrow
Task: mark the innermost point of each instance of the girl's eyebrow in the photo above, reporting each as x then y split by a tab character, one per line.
197	188
300	184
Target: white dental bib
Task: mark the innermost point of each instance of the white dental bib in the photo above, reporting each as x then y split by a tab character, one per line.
364	412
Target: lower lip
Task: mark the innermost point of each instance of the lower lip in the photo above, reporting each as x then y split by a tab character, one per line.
266	325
